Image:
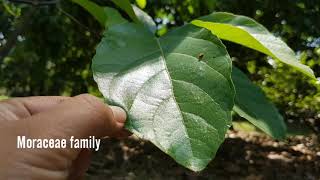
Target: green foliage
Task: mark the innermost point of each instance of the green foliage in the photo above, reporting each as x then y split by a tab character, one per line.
178	102
52	54
131	65
297	96
126	6
11	9
3	97
102	13
251	103
247	32
97	11
62	67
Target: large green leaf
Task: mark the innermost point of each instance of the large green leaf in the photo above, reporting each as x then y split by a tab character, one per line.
127	7
251	103
95	10
247	32
177	89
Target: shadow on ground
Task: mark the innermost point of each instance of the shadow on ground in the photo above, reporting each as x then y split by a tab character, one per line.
250	156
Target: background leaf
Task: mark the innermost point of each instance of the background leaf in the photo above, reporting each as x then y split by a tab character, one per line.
95	10
251	104
247	32
127	7
108	16
178	101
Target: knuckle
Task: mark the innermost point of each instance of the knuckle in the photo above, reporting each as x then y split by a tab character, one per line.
12	101
15	107
94	105
88	98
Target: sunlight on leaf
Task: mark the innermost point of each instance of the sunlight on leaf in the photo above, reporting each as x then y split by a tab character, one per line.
249	33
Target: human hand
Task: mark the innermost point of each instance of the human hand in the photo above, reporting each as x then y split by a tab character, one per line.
53	118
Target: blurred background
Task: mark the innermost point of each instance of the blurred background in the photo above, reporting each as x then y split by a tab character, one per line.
47	50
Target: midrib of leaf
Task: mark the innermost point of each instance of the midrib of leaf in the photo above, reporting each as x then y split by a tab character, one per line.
177	104
172	92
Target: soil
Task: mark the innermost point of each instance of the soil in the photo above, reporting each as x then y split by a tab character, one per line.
243	155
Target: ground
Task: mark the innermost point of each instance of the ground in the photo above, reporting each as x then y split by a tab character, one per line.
243	155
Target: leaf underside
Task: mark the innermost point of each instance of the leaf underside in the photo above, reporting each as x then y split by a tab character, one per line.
249	33
252	104
177	89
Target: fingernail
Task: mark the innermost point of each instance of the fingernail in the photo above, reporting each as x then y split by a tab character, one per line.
119	114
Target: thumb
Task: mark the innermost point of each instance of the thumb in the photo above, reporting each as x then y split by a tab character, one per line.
81	116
